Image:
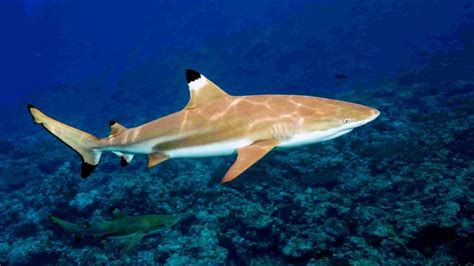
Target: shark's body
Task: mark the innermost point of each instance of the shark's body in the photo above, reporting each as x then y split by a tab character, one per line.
214	123
130	228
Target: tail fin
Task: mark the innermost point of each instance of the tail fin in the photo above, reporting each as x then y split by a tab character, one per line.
86	145
71	227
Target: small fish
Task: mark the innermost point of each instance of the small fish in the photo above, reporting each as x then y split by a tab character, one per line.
130	229
341	76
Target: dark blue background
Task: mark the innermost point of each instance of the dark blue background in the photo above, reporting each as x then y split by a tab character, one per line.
89	43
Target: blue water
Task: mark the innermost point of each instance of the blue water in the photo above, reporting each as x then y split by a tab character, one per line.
398	190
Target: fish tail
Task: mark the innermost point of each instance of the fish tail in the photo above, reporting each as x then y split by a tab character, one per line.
71	227
86	145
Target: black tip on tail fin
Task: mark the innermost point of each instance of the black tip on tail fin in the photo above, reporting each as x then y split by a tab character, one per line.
87	169
79	141
192	75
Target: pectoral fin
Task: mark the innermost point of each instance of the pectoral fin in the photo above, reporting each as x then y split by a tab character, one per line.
134	240
156	158
247	156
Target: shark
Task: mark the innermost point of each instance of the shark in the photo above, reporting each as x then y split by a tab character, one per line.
215	123
129	228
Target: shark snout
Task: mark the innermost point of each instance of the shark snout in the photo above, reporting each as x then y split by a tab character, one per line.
369	117
375	114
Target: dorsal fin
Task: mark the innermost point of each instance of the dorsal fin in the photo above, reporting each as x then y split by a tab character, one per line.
117	213
116	128
201	89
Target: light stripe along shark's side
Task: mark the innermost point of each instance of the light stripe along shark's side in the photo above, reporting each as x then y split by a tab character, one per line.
216	123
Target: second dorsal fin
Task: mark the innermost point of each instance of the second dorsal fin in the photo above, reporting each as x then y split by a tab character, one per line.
201	89
116	128
117	213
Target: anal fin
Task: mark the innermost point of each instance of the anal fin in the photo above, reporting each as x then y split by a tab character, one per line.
247	156
156	158
123	162
125	159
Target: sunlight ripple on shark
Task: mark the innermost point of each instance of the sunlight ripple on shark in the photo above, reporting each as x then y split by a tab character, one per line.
215	123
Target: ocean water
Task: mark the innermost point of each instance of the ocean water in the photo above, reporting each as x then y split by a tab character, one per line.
396	191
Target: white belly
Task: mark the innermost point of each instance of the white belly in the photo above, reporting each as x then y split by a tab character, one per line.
227	147
312	137
212	149
145	147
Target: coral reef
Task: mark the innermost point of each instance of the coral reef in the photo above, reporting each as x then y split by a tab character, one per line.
398	191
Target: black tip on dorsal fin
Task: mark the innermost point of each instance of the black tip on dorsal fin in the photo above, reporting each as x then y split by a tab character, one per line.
123	162
112	122
87	169
192	75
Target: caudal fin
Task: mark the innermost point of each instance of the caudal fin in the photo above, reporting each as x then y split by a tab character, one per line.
71	227
86	145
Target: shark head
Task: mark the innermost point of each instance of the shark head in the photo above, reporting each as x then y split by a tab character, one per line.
324	119
348	116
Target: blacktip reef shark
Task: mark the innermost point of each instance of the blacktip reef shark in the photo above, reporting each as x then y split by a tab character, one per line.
129	228
215	123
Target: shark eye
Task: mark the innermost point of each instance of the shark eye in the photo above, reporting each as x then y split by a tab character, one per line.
347	120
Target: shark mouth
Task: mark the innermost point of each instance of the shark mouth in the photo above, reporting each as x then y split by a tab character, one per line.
363	122
314	137
337	134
